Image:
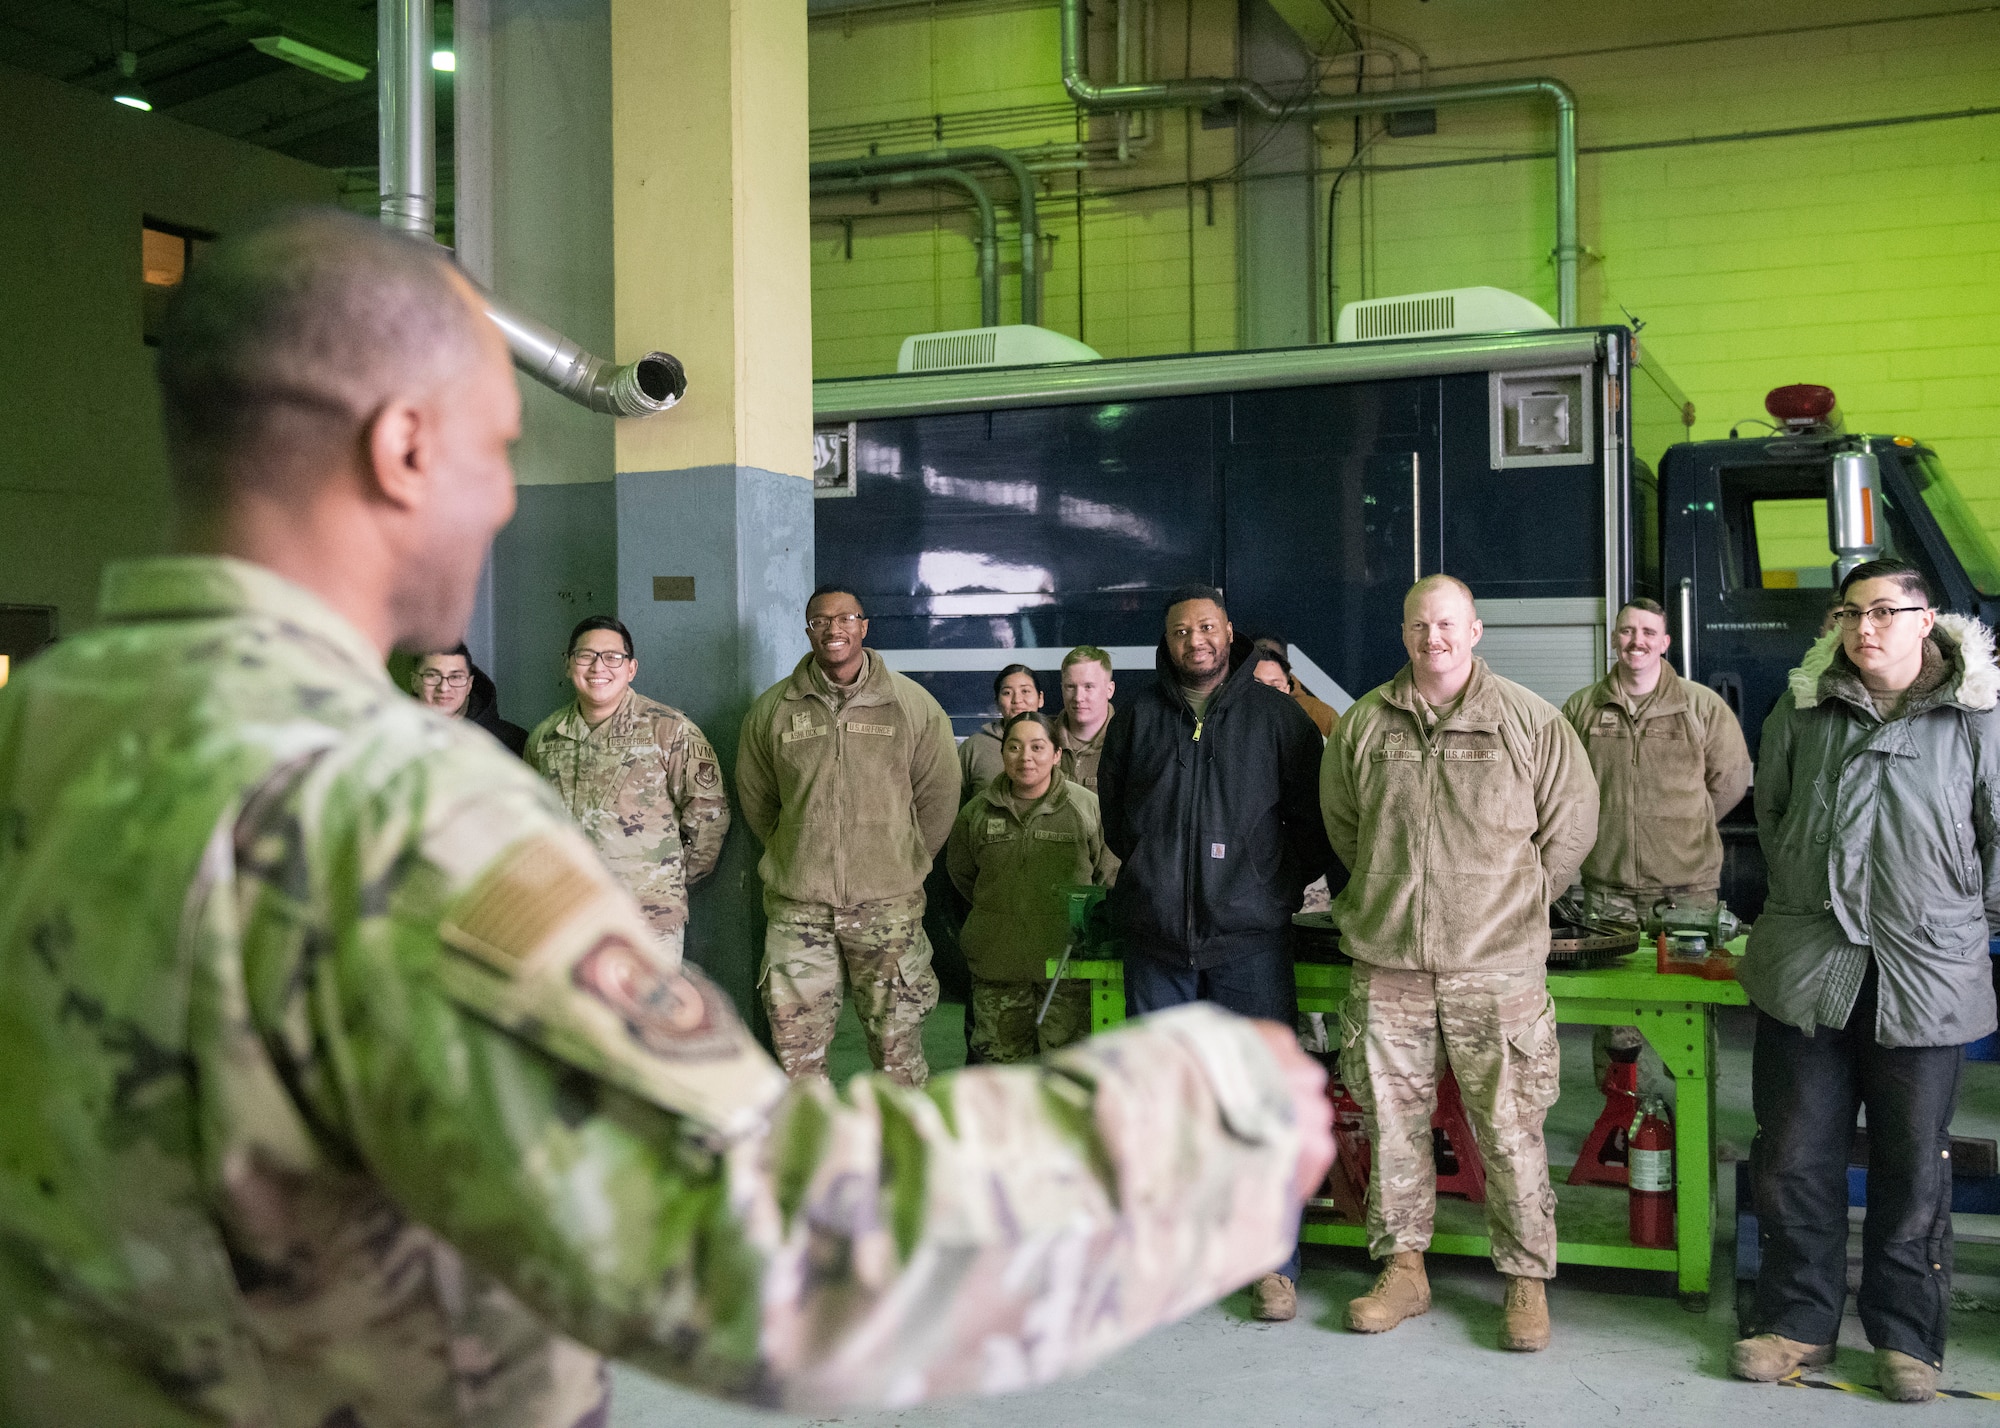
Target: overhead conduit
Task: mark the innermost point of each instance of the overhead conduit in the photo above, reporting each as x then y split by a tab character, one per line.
988	240
1210	93
408	139
883	165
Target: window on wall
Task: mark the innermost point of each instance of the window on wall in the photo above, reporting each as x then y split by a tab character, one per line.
167	252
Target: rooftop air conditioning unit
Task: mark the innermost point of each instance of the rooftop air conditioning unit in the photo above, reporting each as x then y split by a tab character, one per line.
1443	314
1018	345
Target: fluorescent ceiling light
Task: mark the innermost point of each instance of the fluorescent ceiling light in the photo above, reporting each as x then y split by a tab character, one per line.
444	61
306	57
129	91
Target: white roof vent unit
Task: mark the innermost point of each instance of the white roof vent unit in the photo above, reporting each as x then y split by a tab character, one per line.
1018	345
1442	314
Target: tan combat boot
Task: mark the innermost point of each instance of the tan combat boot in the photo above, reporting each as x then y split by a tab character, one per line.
1274	1298
1770	1357
1524	1322
1902	1379
1402	1291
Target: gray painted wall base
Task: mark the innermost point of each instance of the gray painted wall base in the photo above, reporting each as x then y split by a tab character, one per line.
744	537
554	563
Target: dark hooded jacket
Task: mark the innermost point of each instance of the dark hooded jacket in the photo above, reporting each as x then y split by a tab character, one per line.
482	707
1216	819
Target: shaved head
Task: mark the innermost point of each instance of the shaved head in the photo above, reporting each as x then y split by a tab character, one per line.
1439	582
286	340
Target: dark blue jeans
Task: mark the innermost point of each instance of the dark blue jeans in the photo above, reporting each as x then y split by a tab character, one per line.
1261	984
1805	1090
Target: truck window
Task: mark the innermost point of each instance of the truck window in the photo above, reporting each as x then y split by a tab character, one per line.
1967	538
1792	552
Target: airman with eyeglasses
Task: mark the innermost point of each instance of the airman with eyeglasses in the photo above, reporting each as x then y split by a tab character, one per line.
638	775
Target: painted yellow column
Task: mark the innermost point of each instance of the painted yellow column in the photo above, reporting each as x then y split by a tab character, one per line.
710	207
711	261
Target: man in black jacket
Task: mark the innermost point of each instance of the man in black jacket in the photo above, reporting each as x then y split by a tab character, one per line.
452	684
1209	791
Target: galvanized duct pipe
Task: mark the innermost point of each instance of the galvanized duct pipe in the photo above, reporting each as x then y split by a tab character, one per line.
988	240
404	34
1208	93
1024	190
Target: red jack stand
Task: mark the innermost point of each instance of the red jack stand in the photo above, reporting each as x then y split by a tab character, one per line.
1460	1170
1605	1159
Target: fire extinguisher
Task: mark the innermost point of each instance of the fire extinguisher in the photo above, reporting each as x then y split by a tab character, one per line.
1652	1176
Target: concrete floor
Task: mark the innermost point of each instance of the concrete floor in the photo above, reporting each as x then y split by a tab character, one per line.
1624	1349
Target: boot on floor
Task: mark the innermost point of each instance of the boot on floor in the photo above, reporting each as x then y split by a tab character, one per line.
1770	1357
1902	1379
1274	1298
1524	1322
1402	1291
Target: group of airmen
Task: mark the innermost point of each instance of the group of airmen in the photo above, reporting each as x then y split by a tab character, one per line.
358	1076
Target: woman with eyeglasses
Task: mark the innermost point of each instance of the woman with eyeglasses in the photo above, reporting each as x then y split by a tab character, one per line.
638	776
453	685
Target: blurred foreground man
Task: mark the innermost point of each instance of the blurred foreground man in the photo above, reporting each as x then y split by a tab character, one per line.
1462	804
346	1087
1878	794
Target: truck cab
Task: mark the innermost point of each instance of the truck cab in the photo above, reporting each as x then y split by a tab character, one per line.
1753	537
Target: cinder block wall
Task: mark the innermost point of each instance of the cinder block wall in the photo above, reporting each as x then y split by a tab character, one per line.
1768	188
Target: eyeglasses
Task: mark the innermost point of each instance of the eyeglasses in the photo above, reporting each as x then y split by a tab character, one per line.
613	661
457	679
1879	616
820	624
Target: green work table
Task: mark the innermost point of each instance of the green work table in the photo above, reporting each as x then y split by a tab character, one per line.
1677	1015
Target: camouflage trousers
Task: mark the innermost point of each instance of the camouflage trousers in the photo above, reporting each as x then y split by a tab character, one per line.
1499	1038
1633	905
814	953
1003	1019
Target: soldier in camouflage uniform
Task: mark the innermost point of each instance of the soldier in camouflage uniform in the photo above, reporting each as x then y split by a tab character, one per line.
637	775
847	772
1462	804
346	1087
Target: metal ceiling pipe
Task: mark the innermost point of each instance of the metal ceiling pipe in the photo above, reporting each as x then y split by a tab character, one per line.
1209	93
1024	190
406	109
988	241
407	130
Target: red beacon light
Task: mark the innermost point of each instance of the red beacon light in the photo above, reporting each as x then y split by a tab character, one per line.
1802	407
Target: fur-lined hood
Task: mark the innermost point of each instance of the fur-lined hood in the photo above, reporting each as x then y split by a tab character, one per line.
1965	642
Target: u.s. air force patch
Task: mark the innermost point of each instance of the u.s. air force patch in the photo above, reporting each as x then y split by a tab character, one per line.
668	1013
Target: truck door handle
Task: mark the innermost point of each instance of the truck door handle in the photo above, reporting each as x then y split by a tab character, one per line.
1730	686
1687	627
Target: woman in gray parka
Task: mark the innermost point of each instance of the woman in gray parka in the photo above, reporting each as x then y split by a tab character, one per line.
1878	792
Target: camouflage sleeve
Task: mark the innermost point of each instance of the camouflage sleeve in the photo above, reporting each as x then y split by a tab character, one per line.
756	778
694	782
468	1002
1565	805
